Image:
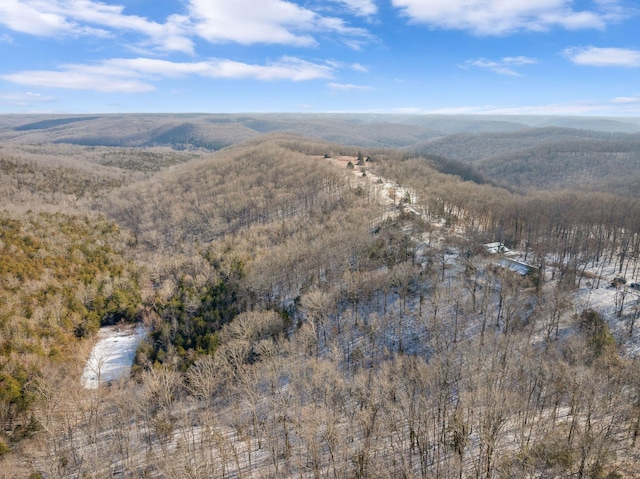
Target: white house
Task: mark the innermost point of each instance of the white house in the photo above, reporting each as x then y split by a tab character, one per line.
495	248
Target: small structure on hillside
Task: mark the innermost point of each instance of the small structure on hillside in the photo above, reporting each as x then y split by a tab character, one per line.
519	267
495	248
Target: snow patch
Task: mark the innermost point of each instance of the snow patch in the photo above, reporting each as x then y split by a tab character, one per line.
112	356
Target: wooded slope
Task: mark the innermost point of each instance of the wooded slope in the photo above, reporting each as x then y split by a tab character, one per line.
310	320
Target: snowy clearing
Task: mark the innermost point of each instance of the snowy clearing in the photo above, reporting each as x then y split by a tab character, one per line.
112	356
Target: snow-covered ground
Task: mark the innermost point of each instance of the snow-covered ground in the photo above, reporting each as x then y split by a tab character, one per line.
112	356
607	300
617	305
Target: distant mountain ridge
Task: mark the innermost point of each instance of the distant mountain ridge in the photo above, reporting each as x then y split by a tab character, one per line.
215	131
521	152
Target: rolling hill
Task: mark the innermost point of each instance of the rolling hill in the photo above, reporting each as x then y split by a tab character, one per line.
312	315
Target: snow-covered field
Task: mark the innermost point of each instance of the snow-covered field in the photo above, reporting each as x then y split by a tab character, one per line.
112	356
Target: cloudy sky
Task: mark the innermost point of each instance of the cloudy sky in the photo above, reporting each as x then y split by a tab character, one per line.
382	56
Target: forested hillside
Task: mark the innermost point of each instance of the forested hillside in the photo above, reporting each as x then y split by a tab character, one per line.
517	152
548	158
63	276
321	310
588	165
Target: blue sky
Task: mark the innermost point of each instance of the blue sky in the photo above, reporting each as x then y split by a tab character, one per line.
575	57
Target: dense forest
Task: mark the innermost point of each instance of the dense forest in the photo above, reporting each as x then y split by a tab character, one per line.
319	298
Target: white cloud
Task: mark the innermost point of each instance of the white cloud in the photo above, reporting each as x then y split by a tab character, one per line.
343	65
247	22
339	26
23	98
347	87
505	66
76	78
500	17
269	21
169	36
35	20
241	21
363	8
137	75
626	99
603	57
287	68
610	108
87	17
